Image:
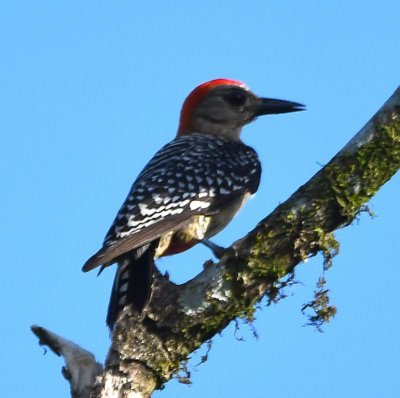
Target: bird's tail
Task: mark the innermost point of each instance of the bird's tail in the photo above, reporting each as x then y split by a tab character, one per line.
132	283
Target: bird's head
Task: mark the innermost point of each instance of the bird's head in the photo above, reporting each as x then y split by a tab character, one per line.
222	107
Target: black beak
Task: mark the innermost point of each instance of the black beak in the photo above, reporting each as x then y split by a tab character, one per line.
270	106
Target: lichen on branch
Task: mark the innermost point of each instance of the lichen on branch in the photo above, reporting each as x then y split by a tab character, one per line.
148	350
301	227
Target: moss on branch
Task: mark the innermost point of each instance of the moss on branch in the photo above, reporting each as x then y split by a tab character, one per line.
180	318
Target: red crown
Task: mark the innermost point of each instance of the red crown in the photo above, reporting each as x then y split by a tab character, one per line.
193	99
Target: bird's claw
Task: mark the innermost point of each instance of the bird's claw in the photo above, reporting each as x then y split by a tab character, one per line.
218	251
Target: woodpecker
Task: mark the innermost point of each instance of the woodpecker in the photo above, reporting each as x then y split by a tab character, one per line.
188	192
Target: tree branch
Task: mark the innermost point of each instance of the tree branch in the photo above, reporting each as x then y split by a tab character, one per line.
81	367
147	351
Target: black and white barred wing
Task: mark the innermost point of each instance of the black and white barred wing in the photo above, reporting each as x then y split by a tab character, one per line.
194	174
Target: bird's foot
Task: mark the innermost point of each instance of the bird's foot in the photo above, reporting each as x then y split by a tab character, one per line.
218	251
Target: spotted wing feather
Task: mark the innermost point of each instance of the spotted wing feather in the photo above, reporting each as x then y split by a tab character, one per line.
193	174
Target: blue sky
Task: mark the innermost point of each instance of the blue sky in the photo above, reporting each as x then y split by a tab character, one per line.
90	90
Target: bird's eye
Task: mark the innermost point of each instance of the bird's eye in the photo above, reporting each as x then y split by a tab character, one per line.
236	98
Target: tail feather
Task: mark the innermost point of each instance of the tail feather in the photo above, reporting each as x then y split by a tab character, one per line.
132	283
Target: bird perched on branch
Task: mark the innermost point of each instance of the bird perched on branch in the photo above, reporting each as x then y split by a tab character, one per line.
188	192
